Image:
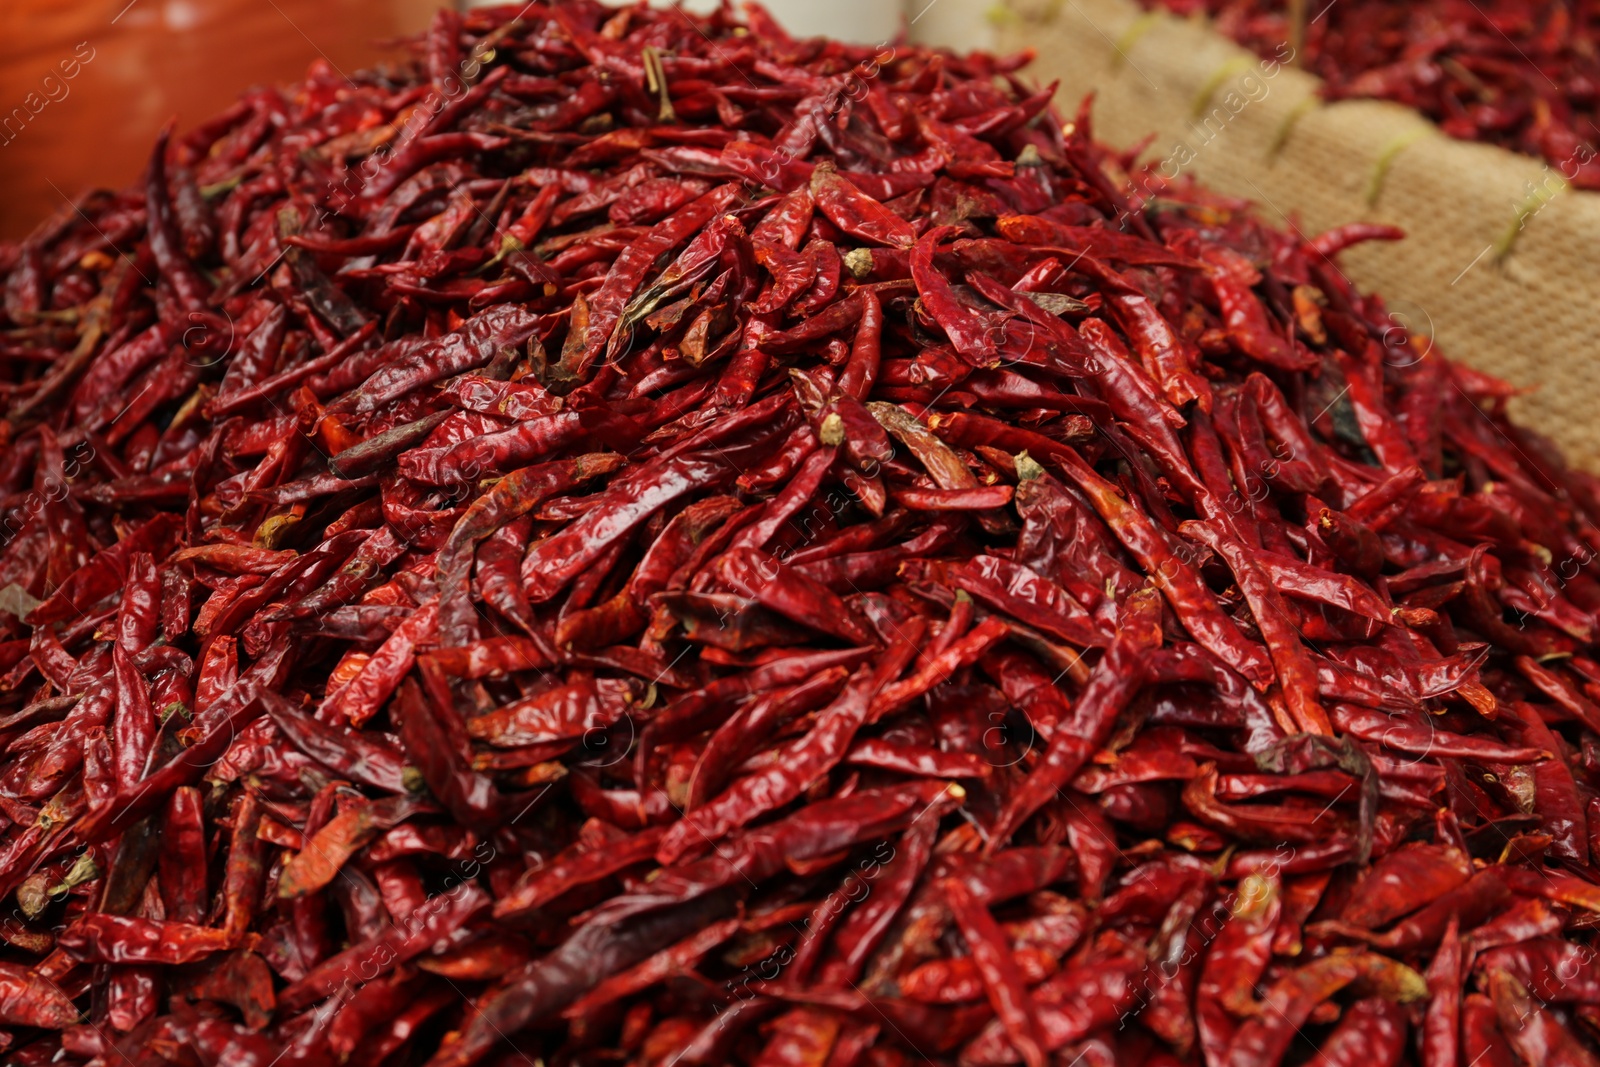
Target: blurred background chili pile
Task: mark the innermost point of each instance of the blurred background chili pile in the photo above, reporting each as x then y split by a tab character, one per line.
1523	74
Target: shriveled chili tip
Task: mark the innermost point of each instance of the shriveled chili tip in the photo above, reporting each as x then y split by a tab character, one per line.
30	999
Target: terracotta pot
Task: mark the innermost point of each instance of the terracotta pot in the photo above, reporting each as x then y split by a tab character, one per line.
85	86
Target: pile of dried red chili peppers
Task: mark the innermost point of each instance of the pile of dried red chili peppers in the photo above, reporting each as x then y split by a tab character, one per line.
1523	74
636	539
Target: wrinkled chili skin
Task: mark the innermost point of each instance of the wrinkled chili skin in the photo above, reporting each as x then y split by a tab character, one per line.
627	537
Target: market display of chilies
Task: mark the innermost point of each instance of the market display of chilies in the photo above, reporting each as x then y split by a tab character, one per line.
1522	74
635	539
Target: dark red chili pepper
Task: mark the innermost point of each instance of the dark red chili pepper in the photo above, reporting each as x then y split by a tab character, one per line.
1441	1026
183	857
166	243
822	748
1001	977
1112	684
856	213
1535	1034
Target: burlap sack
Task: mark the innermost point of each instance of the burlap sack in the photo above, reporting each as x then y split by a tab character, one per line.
1524	308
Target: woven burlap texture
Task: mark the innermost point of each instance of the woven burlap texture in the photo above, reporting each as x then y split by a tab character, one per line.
1258	131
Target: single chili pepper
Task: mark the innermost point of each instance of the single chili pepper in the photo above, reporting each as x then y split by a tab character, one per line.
1382	434
362	696
470	347
918	761
1168	358
967	332
374	452
1404	735
1441	1026
324	853
512	496
557	716
30	999
1112	684
793	274
1296	674
822	748
866	351
861	931
1533	1032
1481	1038
1555	971
1248	327
131	997
242	877
1086	240
1470	903
1002	980
742	732
1070	1006
1330	243
664	964
183	857
556	561
550	881
836	317
815	831
768	582
1235	964
1027	597
166	244
1373	1030
856	213
1524	921
1404	880
104	938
